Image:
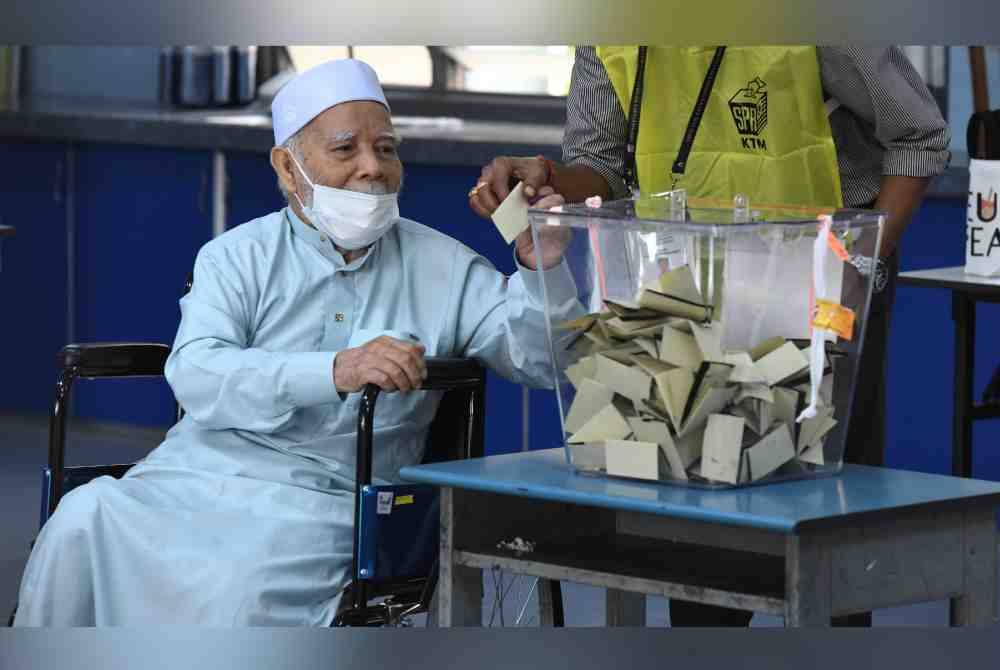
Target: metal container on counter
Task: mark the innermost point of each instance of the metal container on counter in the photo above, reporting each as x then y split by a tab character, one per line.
206	77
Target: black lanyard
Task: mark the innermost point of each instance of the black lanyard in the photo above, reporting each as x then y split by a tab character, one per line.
635	108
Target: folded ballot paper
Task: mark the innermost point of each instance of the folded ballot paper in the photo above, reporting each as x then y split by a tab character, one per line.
659	396
511	217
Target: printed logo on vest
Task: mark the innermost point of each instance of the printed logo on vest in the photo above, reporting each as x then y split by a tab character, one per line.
749	110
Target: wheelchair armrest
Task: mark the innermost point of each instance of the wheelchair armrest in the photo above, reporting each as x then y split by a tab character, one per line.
449	373
115	359
443	374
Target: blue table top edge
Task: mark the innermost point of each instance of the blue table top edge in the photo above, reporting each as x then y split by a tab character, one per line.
783	507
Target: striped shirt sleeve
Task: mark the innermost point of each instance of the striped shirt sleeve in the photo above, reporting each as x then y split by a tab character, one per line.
888	122
596	132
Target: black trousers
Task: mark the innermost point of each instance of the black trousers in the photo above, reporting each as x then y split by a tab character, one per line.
865	446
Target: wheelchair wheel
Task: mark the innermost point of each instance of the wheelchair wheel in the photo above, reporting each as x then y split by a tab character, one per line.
514	600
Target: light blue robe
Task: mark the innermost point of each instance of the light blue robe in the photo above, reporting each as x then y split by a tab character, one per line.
244	514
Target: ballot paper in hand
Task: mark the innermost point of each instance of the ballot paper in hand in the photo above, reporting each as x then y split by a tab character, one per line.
511	217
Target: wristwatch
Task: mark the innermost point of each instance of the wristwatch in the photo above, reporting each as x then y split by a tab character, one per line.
864	266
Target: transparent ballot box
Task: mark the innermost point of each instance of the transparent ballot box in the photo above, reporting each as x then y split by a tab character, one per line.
709	347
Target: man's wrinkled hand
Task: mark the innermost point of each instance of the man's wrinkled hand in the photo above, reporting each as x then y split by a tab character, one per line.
493	185
390	364
553	240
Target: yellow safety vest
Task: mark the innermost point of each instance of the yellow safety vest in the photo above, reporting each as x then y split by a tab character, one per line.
764	133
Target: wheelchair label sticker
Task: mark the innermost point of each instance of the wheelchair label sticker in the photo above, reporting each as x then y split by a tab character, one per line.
384	503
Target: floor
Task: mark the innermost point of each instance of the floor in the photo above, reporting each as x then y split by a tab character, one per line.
23	453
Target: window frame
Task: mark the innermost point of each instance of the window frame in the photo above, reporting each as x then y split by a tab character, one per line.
440	99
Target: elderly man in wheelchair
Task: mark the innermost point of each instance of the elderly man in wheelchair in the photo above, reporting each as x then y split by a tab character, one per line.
245	514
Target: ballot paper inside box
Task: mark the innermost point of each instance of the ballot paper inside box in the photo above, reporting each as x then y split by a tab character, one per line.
700	370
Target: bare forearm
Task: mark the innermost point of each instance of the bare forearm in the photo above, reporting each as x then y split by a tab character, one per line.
899	197
577	182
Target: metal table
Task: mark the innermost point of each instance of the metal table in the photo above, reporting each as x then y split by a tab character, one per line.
865	539
5	232
966	291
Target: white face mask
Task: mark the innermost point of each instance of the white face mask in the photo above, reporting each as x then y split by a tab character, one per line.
353	220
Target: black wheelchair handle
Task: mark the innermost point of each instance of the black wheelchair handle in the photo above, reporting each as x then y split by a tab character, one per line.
442	374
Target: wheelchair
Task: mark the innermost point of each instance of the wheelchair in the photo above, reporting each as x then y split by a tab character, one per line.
394	562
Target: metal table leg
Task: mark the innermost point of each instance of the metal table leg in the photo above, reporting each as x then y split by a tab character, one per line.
963	312
977	606
906	557
460	588
808	583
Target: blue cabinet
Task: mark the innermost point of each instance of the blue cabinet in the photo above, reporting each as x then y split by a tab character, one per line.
33	282
142	215
251	188
921	353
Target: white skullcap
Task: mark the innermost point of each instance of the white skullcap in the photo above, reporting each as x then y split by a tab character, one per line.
318	89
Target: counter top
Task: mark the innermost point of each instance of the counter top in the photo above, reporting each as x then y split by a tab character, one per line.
435	141
442	141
